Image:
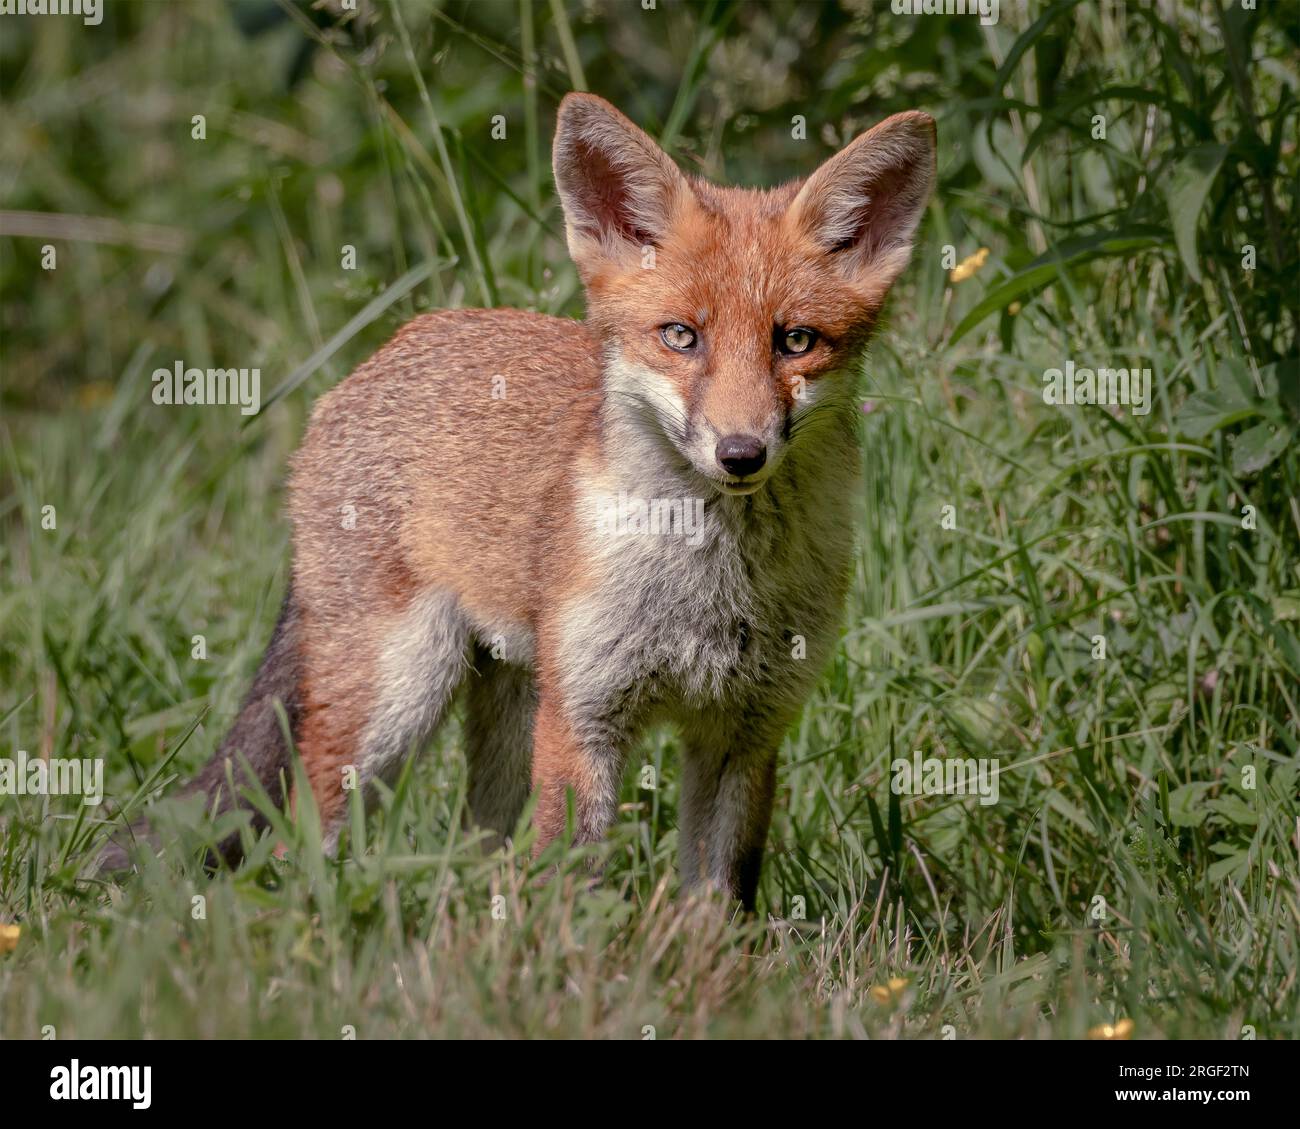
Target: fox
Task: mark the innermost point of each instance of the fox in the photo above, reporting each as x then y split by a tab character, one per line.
450	506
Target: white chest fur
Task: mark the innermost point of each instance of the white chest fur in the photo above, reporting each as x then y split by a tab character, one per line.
703	599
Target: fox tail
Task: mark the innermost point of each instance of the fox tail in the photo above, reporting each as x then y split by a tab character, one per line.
256	738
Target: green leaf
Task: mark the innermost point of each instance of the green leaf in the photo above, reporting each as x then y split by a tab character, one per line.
368	313
1237	864
878	827
1259	446
1212	409
1188	187
1233	808
1185	809
1072	812
895	826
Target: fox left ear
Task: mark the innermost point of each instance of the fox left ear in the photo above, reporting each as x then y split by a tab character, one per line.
863	205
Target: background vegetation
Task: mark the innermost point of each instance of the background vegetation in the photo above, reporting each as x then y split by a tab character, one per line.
1122	779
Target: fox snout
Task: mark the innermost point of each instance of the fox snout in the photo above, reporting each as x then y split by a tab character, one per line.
737	421
736	458
742	455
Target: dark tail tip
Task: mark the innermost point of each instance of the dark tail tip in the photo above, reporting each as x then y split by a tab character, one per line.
115	857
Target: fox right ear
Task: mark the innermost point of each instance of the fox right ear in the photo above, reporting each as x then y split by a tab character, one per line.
619	190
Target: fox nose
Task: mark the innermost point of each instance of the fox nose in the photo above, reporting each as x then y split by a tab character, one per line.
741	454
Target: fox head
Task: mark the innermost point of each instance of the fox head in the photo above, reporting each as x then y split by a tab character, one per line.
727	314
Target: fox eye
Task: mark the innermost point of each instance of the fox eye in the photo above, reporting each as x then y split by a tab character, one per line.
679	337
792	342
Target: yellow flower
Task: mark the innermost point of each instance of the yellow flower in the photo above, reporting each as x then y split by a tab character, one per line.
9	937
1121	1030
884	994
95	393
969	266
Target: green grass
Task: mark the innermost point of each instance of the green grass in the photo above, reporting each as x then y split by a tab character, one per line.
1122	779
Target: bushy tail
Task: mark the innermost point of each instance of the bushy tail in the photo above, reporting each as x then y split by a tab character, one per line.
256	736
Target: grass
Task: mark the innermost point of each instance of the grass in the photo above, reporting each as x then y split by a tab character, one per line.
1141	860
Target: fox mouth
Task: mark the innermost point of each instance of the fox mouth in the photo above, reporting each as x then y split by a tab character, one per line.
739	486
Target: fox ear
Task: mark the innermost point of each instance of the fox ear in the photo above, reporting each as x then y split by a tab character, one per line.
863	205
619	190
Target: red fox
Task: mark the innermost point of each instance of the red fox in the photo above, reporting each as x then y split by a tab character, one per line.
452	503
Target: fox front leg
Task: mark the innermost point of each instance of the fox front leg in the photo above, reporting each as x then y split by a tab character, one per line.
586	759
728	784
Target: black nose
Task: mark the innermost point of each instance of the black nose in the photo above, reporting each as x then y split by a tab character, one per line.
741	454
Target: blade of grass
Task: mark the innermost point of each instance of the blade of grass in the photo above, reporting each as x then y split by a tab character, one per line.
368	313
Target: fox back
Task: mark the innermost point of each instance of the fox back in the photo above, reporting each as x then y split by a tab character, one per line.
582	528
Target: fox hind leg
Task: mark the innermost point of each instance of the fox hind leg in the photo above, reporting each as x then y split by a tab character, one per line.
367	710
501	699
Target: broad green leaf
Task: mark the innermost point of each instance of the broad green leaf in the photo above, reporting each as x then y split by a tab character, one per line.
1233	808
1237	379
1235	866
1212	409
1185	808
1188	187
1259	446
